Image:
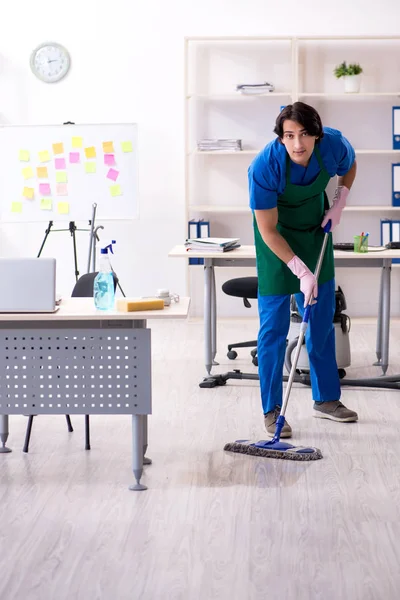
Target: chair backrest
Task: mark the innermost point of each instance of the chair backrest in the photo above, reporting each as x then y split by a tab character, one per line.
84	286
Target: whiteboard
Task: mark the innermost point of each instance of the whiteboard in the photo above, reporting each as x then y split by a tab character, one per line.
57	172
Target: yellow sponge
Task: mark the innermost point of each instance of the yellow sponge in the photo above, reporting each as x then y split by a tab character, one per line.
132	304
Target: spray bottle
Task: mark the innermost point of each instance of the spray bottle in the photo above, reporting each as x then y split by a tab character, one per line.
103	288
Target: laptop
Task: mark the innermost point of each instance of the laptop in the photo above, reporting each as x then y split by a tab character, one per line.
28	285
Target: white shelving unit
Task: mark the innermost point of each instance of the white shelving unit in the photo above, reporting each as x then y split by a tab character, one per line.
301	68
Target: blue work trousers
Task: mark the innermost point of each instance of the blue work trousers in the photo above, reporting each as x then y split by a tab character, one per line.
274	312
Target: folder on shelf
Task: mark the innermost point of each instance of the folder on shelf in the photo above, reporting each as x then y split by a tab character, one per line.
396	184
193	228
396	127
203	231
198	229
390	232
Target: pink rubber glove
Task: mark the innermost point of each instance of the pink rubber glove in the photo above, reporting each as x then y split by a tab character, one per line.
338	204
308	283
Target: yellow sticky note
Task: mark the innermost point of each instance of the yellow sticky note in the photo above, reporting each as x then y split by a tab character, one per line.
28	192
126	146
42	172
63	208
90	167
27	173
58	148
16	207
46	204
90	152
115	190
44	156
61	177
108	147
77	142
24	155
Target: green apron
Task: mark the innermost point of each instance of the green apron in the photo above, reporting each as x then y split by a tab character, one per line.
301	209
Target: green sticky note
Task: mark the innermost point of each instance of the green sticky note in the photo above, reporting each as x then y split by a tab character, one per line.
63	208
115	190
126	146
16	207
24	155
61	177
46	204
90	167
44	156
27	173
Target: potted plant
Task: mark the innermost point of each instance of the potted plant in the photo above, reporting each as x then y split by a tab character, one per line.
351	74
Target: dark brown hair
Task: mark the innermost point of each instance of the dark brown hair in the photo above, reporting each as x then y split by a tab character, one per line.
302	113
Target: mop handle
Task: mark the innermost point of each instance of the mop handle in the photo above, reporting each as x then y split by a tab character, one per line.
303	328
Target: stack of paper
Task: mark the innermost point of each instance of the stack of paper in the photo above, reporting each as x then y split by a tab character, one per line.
255	88
211	244
221	145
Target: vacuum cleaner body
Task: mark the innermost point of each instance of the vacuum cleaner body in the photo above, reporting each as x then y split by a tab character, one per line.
341	323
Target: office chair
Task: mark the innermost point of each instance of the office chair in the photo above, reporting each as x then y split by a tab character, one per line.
82	289
245	288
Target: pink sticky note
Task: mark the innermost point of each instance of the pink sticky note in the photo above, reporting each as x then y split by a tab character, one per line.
74	157
109	159
44	189
60	163
61	189
113	174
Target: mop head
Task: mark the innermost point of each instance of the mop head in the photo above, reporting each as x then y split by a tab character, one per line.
273	449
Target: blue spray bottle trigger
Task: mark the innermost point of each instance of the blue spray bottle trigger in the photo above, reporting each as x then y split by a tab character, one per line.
105	249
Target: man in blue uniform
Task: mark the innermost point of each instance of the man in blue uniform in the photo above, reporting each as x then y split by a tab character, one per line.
287	182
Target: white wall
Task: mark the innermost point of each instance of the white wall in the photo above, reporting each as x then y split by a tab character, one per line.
127	66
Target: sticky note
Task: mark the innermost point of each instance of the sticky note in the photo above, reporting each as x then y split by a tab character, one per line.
113	174
63	208
46	204
61	189
42	172
108	147
28	192
44	189
90	167
126	146
16	207
61	177
115	190
74	157
59	163
24	155
77	142
109	159
27	172
58	148
90	152
44	156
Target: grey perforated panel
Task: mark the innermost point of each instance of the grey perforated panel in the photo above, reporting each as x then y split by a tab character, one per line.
67	371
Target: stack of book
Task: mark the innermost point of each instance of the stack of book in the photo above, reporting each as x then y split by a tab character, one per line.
255	88
212	244
219	145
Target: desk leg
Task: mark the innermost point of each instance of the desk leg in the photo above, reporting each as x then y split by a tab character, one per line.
379	326
213	318
4	434
146	460
386	275
208	274
137	451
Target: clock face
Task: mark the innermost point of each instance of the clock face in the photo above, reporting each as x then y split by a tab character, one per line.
50	62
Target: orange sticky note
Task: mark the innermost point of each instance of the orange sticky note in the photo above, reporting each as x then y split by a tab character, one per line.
108	147
90	152
42	172
58	148
28	192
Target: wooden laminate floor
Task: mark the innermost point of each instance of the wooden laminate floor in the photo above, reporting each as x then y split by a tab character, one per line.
212	525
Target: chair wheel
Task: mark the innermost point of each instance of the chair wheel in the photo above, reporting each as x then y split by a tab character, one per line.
255	361
232	354
341	373
253	352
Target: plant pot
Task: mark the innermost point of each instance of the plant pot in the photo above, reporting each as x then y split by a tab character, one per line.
352	83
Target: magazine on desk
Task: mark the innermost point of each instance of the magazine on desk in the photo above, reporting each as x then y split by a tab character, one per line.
212	244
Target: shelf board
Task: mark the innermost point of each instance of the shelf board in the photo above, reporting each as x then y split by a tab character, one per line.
236	95
257	150
208	208
347	95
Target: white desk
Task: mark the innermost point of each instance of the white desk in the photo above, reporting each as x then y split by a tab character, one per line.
80	361
245	256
